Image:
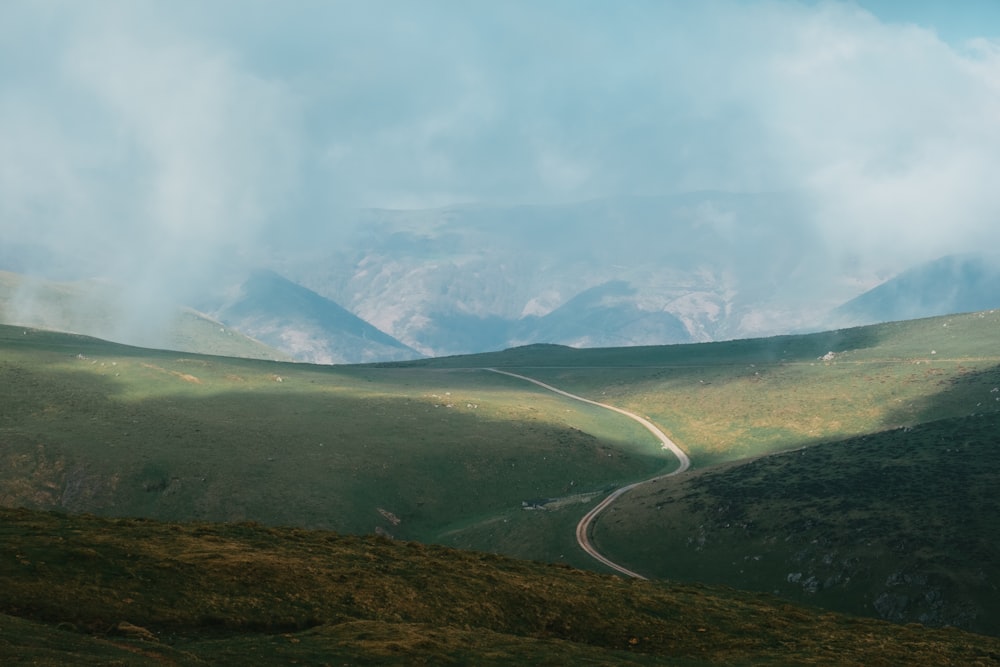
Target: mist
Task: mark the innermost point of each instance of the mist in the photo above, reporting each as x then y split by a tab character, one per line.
167	146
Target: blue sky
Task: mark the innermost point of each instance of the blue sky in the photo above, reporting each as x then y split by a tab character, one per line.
954	22
197	128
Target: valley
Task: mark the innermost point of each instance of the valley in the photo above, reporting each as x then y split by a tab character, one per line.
499	333
824	467
583	528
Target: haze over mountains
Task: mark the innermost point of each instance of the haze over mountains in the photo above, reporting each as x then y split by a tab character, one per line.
953	284
617	271
493	175
568	188
308	327
609	272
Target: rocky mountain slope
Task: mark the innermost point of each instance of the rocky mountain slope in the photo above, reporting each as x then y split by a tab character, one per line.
305	325
385	285
621	271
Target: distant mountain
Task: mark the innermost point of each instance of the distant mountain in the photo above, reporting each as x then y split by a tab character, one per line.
617	271
598	315
953	284
98	309
305	325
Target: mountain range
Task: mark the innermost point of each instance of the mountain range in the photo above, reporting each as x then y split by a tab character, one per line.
618	271
953	284
305	325
389	285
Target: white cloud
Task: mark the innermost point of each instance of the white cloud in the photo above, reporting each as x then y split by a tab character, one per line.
180	129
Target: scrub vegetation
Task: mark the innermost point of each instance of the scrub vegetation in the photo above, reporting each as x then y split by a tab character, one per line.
739	399
88	590
90	426
849	469
901	524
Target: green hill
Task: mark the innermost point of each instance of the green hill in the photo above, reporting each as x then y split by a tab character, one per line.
442	452
739	399
90	426
84	590
94	309
897	523
902	524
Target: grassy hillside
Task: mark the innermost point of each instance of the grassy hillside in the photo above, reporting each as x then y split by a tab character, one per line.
903	525
441	451
899	524
93	308
739	399
84	590
420	454
448	450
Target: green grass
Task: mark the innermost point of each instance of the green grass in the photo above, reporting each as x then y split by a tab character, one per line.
903	524
95	308
89	426
419	453
739	399
922	546
87	590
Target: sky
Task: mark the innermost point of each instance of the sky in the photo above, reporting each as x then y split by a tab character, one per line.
147	140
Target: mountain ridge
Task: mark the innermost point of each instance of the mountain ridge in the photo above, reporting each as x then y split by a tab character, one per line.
950	284
304	324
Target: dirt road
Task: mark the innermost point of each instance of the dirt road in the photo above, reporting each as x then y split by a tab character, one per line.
583	528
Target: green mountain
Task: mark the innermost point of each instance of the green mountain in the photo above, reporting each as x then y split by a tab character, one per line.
90	426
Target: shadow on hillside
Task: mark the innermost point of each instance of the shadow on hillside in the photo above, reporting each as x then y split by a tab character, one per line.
286	455
968	393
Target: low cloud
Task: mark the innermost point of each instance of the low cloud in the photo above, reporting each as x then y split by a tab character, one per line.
158	143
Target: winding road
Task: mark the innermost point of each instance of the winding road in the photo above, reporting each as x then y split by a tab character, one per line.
583	528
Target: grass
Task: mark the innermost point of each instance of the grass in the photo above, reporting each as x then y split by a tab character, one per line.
420	454
443	452
740	399
834	529
903	524
94	308
89	590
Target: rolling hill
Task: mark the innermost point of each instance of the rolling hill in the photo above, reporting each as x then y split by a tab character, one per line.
442	452
900	524
85	590
893	523
96	308
90	426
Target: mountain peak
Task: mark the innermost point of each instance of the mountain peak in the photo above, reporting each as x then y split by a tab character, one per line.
305	324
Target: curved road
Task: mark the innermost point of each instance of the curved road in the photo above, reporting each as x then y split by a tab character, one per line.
583	528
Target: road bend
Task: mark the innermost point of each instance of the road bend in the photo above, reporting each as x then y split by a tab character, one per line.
584	527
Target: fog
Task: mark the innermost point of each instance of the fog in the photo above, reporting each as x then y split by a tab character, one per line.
162	145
